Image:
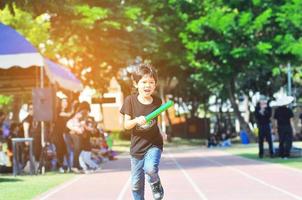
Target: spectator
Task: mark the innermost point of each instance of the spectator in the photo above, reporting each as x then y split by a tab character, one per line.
263	113
4	125
5	165
299	136
2	118
225	140
77	125
85	158
29	129
60	129
212	142
284	123
109	141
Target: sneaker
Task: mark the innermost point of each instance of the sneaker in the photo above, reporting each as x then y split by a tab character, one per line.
61	170
157	190
75	170
87	171
98	169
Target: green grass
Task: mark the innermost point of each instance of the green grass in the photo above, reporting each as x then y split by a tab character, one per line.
176	142
251	151
28	187
122	146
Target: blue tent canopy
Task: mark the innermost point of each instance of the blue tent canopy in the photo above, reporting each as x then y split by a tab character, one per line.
62	76
15	50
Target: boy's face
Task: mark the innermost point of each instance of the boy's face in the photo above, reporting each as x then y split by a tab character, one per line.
146	86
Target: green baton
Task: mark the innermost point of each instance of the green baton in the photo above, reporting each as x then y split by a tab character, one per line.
159	110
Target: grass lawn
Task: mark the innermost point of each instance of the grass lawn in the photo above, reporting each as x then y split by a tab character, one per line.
251	151
124	145
28	187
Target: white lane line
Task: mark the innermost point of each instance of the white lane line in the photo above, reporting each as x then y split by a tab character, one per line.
124	190
267	163
195	187
254	178
52	192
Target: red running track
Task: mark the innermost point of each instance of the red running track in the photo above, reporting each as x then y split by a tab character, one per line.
190	174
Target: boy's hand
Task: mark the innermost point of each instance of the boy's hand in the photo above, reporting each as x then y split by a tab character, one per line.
141	120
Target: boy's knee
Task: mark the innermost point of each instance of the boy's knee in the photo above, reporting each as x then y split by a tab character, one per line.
152	170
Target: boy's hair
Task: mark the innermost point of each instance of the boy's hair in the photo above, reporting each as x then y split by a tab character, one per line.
142	70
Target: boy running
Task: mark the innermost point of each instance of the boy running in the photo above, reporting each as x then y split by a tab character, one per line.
146	138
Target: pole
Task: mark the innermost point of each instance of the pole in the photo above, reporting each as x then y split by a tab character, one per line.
42	122
289	79
163	114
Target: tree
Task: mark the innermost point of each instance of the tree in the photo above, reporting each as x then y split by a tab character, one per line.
231	41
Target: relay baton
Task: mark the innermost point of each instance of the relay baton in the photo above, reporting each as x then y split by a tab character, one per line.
159	110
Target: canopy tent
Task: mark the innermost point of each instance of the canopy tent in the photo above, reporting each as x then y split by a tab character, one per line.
62	76
15	50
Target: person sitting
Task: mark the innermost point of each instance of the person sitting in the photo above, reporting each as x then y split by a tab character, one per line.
85	158
5	164
212	142
225	140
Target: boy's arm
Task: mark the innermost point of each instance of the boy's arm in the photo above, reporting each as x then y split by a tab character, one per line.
131	123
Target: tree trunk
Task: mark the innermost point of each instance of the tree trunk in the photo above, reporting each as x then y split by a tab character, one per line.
231	91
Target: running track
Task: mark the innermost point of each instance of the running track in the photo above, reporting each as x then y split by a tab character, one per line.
190	174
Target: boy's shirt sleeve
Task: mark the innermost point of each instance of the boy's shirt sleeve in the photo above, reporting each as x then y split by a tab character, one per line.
126	108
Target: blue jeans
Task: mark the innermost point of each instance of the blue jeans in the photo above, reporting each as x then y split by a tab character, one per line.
70	152
146	165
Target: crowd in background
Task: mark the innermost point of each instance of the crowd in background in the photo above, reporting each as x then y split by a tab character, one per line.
273	124
278	124
74	141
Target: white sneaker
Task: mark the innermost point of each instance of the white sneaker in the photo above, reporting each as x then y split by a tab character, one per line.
75	170
61	170
87	171
99	169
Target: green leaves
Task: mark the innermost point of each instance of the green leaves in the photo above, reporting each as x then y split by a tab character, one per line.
245	18
89	15
238	52
133	13
262	19
5	100
289	15
36	30
264	47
